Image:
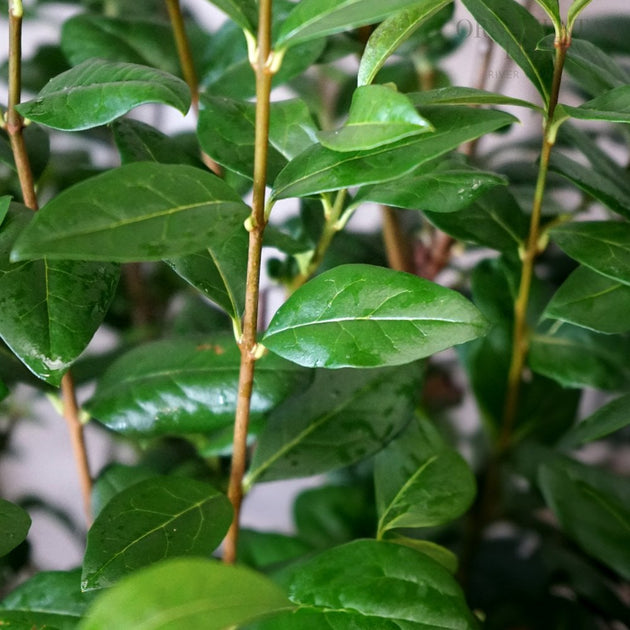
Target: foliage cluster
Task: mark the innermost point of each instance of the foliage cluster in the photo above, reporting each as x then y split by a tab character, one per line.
404	532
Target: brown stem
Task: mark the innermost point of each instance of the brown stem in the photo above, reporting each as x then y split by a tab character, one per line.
397	246
248	343
14	126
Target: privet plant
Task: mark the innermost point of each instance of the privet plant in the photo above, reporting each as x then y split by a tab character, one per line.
402	532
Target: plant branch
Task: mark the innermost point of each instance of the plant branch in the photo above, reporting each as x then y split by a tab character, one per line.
264	69
520	341
15	126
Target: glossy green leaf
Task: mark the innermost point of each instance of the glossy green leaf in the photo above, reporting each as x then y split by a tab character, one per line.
420	481
243	12
87	37
179	386
597	521
552	9
609	418
311	19
205	597
14	526
219	271
367	316
319	169
49	310
141	211
445	189
50	599
389	35
340	419
379	115
518	32
4	207
574	11
113	480
456	95
613	192
268	550
613	106
152	520
603	246
440	554
373	586
494	220
138	142
97	92
576	357
227	127
593	301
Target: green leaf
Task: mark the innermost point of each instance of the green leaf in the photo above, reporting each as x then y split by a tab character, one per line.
243	12
138	142
152	520
114	479
448	188
141	211
389	35
50	599
379	115
552	9
593	301
219	271
268	550
4	207
340	419
612	417
576	357
574	11
311	19
37	148
420	481
227	127
373	586
88	37
179	386
436	552
494	220
49	309
456	95
367	316
599	522
319	169
14	526
603	246
613	106
97	92
205	597
518	32
612	192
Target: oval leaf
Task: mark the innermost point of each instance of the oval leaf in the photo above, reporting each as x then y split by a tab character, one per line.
50	599
340	419
603	246
174	387
205	597
373	586
613	106
456	95
14	526
378	115
366	316
49	310
420	482
243	12
593	301
97	92
389	35
311	19
141	211
150	521
319	170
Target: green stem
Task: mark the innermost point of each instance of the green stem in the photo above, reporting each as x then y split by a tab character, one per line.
14	127
264	69
520	338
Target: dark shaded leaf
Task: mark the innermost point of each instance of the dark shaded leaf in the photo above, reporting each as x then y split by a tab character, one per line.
14	526
612	106
113	480
457	95
152	520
